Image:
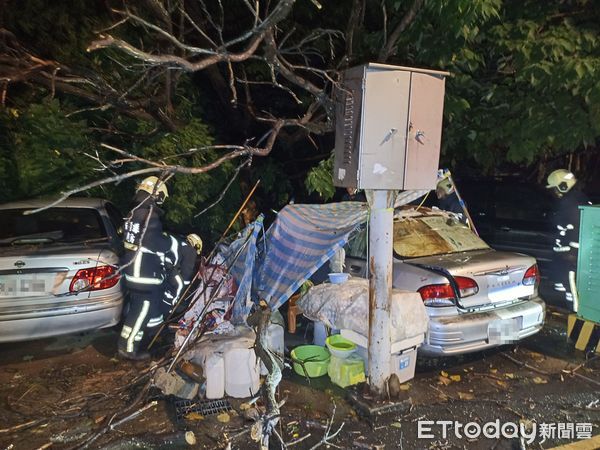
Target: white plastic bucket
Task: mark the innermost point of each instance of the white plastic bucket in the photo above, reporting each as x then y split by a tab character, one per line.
242	373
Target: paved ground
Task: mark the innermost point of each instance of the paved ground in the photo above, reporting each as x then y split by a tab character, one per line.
64	391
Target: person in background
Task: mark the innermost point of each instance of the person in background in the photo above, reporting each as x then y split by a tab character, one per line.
448	200
566	224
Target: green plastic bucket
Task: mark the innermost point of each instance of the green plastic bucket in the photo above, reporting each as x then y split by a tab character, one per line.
340	346
310	360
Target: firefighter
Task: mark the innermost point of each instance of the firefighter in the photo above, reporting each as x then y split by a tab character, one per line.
182	266
156	267
448	200
566	225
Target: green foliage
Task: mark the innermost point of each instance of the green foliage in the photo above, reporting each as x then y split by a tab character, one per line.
320	179
536	91
43	151
60	30
191	193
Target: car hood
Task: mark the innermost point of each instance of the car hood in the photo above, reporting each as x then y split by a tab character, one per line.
499	275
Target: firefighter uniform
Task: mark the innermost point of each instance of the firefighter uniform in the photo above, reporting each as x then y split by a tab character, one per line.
147	251
181	264
566	243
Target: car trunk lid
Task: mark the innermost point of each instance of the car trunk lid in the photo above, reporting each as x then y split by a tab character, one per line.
499	275
38	275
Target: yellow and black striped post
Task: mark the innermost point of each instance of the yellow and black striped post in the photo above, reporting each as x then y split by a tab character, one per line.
585	333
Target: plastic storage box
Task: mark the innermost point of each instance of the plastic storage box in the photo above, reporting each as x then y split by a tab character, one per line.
403	358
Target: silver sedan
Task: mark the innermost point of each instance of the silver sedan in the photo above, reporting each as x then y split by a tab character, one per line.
476	297
58	268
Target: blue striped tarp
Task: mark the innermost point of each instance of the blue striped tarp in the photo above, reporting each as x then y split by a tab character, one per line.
302	239
243	268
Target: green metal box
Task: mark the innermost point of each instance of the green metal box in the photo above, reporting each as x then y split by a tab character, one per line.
588	264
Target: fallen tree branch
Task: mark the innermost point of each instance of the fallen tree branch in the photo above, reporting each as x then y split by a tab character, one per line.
588	379
166	168
328	435
525	365
22	426
576	368
260	321
180	439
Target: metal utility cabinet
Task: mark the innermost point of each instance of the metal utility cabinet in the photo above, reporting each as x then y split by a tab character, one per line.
388	127
588	264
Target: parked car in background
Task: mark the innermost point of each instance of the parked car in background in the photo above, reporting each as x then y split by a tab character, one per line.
476	297
58	268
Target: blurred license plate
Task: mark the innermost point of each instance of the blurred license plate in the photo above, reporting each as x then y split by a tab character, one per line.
23	285
504	331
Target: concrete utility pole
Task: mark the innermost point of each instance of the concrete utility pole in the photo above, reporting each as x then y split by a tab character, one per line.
381	225
388	131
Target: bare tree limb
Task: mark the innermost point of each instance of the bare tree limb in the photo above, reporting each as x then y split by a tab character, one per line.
392	41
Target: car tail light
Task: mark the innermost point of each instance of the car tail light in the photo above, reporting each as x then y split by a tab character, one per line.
466	286
532	276
437	295
443	294
94	279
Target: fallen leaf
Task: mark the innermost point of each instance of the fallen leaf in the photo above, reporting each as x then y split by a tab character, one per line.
540	380
244	406
493	370
194	416
444	374
256	431
405	387
396	425
502	384
510	375
465	396
223	417
445	381
455	377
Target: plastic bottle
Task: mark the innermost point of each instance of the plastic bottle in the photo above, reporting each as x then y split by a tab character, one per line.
214	371
275	338
319	333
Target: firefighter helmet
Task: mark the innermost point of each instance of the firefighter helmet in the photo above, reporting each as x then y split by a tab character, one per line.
154	186
562	180
444	188
195	241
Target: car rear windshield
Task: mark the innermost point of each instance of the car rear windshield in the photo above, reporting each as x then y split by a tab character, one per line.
433	235
51	225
